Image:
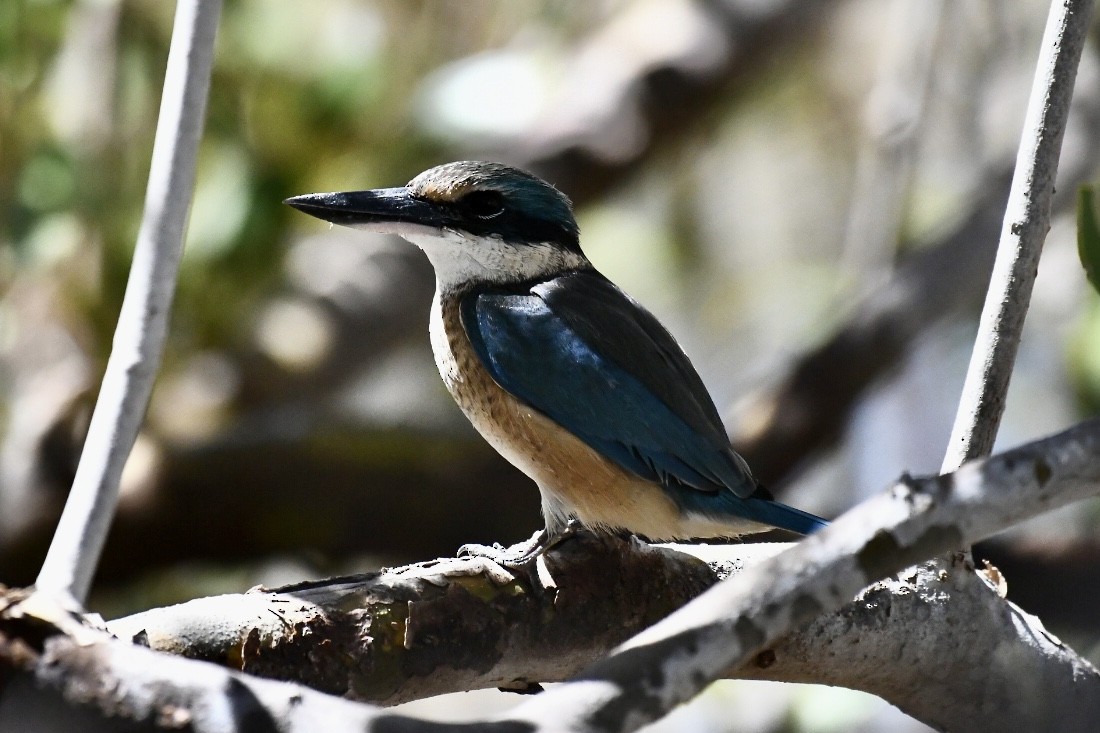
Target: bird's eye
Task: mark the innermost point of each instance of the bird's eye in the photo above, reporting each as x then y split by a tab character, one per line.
483	204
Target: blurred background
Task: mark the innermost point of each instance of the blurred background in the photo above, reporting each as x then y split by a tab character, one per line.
807	192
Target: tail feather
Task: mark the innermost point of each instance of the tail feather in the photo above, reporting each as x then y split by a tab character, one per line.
782	516
758	507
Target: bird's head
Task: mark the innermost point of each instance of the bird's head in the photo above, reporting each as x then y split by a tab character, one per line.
477	222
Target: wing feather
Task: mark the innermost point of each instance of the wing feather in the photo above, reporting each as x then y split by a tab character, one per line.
580	351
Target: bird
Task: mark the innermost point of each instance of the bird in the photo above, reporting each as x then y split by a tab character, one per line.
569	378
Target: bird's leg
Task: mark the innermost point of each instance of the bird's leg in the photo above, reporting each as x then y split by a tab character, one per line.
547	540
539	544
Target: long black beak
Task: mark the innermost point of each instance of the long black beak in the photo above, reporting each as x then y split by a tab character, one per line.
365	208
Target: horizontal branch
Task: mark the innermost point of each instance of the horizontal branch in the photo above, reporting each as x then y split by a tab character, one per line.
103	684
457	625
920	634
463	624
441	626
915	519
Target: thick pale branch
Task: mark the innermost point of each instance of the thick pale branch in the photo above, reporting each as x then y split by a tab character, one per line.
448	625
916	519
457	625
737	622
109	685
462	624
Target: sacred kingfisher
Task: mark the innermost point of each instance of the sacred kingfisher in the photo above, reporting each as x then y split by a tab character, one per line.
563	373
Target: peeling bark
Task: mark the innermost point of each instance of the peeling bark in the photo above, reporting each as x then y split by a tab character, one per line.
440	626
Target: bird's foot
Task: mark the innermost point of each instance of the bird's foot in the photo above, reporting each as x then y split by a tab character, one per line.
524	553
516	556
495	552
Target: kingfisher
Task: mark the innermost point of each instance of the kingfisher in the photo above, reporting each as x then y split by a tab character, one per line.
565	375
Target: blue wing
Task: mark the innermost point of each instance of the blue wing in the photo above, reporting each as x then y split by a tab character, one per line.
580	351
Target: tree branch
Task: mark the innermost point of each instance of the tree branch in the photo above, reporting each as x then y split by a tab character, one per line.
1026	222
447	625
1032	682
452	625
457	625
915	519
101	684
143	322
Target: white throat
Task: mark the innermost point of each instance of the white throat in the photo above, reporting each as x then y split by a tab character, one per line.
460	258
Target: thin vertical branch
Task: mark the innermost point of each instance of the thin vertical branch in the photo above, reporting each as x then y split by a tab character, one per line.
143	321
1026	222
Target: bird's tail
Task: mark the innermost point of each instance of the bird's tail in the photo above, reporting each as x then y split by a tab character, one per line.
759	507
768	511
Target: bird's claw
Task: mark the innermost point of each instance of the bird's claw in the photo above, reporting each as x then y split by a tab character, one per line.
509	557
493	551
524	553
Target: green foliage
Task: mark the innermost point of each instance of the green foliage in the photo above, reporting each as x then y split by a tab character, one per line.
1088	234
1084	351
301	100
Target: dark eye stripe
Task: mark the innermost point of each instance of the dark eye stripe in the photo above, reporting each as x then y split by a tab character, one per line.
483	204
